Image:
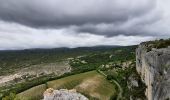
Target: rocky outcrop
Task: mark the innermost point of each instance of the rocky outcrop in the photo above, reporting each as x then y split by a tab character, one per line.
63	94
154	69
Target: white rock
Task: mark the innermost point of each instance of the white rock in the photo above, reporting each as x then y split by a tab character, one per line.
154	68
63	94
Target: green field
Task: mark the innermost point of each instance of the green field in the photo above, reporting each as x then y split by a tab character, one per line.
80	60
91	84
34	93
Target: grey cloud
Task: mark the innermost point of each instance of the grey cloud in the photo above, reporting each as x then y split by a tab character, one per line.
56	13
73	23
22	37
133	26
101	17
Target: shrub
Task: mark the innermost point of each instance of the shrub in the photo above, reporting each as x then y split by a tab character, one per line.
110	77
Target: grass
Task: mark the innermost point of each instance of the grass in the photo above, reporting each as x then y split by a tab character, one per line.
91	84
73	80
14	60
93	59
34	93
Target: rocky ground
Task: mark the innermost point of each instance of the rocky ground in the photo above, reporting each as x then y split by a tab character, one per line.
63	94
35	71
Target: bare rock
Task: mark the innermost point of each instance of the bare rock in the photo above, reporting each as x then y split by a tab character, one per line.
154	69
63	94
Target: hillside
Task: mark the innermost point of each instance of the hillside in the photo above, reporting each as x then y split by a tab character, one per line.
11	61
90	84
115	66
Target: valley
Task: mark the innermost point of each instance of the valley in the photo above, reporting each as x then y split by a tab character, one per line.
98	73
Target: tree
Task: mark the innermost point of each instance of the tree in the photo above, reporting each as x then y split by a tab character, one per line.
12	96
110	77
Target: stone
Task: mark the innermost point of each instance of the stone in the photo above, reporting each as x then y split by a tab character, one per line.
63	94
154	69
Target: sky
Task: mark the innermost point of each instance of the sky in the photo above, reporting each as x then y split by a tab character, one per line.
26	24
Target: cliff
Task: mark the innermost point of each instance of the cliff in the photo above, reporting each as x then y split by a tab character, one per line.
153	65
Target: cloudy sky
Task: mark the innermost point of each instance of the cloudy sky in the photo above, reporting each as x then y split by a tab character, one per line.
72	23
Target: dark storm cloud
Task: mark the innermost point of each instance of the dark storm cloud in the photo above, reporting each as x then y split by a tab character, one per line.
63	13
72	23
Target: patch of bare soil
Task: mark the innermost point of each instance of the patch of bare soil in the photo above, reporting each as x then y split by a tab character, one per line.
90	85
36	71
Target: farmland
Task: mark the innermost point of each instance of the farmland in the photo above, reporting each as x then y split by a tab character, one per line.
92	84
82	70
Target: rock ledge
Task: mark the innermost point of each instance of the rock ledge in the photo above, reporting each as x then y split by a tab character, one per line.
63	94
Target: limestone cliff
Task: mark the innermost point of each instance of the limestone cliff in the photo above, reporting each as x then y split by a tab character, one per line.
154	69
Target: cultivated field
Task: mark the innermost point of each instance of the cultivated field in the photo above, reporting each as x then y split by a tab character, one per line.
34	93
91	84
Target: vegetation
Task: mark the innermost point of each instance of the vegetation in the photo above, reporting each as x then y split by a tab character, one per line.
117	63
34	93
94	60
86	83
157	44
11	61
124	76
20	87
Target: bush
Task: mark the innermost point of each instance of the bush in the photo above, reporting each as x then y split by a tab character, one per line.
12	96
110	77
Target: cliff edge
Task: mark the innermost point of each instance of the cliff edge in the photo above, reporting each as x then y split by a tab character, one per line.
153	65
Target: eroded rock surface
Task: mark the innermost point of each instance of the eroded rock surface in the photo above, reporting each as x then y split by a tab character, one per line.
63	94
154	69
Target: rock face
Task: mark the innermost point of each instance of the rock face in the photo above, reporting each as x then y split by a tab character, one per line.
154	69
63	94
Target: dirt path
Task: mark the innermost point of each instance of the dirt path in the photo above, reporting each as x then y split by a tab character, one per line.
120	89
